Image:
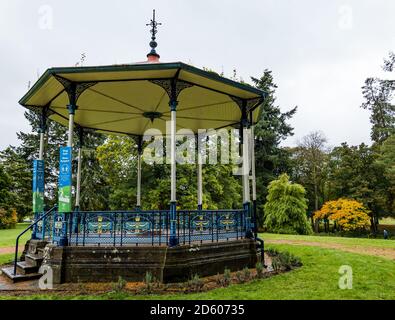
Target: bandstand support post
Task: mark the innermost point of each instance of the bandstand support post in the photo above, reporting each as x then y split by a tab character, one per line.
173	240
38	174
79	164
253	173
199	175
246	169
76	217
139	153
66	216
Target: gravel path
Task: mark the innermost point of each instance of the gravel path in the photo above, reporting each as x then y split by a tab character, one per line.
6	250
388	253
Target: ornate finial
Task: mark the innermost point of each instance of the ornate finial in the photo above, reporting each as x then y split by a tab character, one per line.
154	30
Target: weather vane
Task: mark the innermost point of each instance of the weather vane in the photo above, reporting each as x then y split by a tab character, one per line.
154	30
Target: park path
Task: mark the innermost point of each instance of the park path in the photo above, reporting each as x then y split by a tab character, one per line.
5	250
388	253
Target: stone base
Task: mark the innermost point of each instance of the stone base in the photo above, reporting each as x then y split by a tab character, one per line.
106	264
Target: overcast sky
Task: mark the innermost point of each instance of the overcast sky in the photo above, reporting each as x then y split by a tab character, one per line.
320	51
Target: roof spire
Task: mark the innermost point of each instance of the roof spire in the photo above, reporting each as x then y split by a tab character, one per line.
153	56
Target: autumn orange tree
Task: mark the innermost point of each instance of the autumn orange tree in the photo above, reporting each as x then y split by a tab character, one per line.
348	214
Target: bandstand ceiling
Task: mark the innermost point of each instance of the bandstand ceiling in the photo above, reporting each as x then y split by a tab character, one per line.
117	98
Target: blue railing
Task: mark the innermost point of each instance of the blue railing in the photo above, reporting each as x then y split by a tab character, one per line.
33	227
119	228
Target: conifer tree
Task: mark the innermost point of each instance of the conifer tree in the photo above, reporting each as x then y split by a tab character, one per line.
285	209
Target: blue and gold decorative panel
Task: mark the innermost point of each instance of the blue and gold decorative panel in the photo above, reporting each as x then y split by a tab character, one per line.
200	223
137	225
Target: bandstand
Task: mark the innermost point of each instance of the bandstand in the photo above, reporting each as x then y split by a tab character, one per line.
132	99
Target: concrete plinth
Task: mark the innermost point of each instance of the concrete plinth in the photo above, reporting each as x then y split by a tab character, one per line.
104	264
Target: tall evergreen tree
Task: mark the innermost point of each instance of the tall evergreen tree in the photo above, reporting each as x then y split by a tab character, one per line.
6	197
379	94
386	162
19	185
272	128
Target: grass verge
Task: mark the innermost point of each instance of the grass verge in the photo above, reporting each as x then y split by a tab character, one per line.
318	278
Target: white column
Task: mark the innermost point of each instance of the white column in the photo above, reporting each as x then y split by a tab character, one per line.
41	152
138	179
173	155
71	129
199	178
246	167
253	162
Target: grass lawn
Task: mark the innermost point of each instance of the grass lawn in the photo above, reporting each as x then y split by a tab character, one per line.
6	258
374	243
8	236
390	221
373	278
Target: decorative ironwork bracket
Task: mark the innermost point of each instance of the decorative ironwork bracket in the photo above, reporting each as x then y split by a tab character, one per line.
74	89
45	112
166	84
250	103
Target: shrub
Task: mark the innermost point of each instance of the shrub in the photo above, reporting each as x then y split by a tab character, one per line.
239	277
196	284
120	285
276	264
8	218
246	274
148	281
227	277
285	209
219	279
349	215
272	252
283	261
259	269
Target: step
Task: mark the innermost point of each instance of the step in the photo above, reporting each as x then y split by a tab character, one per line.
34	259
25	268
9	272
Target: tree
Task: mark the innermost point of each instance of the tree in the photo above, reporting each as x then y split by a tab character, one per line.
311	158
19	184
347	214
56	136
272	128
386	163
387	158
19	161
118	159
8	215
285	209
94	189
354	174
8	218
378	96
6	197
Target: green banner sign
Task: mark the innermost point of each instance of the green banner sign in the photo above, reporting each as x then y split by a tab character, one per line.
65	180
